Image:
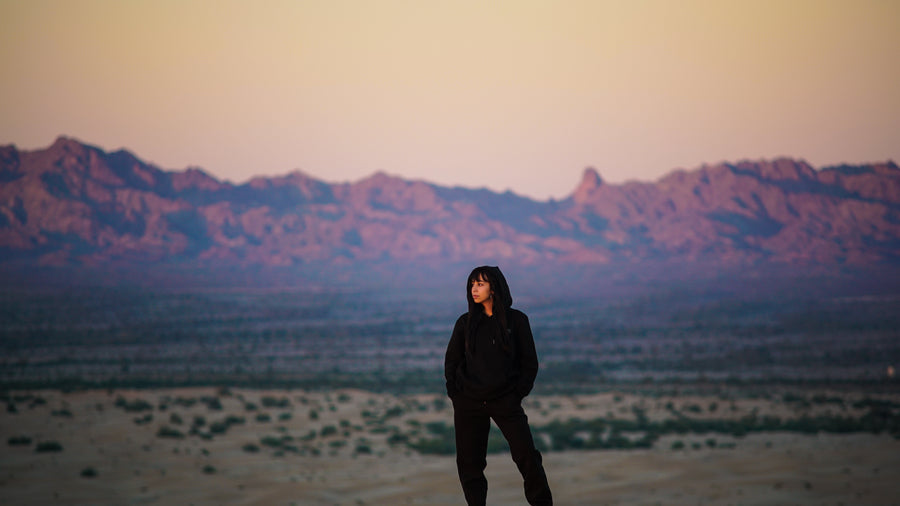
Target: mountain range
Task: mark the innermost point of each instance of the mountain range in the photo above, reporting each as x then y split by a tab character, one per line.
75	204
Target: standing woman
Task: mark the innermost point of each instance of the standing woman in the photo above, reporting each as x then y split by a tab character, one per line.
490	367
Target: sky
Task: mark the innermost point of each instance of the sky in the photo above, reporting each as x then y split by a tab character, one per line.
510	95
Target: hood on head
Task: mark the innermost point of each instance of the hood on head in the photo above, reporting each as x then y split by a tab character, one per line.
498	284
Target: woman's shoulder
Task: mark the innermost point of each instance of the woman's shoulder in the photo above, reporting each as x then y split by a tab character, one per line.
513	313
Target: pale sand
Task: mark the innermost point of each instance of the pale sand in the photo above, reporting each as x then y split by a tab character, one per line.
135	466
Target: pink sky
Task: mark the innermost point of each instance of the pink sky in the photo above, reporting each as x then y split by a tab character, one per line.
518	95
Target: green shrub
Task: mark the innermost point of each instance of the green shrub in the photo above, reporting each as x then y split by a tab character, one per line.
19	441
166	431
208	469
677	445
263	417
135	406
271	441
48	446
397	438
212	403
272	402
250	448
88	472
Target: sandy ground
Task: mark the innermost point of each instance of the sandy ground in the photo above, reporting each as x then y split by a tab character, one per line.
356	465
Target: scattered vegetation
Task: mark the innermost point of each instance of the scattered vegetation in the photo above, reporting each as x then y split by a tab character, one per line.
48	447
19	441
168	432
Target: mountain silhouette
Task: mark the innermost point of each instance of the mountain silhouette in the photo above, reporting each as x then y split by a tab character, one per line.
74	204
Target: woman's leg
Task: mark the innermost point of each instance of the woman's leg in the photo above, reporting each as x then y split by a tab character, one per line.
472	425
513	423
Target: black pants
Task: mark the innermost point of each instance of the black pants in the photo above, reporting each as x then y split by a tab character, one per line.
472	420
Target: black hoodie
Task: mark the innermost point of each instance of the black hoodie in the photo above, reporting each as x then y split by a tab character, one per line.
484	360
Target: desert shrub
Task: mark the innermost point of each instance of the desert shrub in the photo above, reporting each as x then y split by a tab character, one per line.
166	431
677	445
438	427
394	412
824	399
175	419
272	402
218	427
88	472
48	447
363	448
212	403
143	420
338	443
250	448
272	441
496	442
134	406
344	398
397	438
711	442
249	406
19	441
285	416
185	401
328	430
199	421
208	469
434	446
65	413
314	415
309	436
263	417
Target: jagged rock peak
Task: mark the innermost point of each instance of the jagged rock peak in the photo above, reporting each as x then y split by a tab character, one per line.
590	181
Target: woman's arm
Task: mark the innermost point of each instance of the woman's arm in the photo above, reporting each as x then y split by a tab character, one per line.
528	361
456	353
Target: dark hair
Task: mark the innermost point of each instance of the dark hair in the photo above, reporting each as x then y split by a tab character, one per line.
502	301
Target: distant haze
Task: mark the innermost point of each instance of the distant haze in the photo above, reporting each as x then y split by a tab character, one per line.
516	95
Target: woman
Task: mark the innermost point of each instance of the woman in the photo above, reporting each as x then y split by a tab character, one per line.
490	367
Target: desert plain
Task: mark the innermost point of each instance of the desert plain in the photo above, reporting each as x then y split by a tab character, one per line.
206	446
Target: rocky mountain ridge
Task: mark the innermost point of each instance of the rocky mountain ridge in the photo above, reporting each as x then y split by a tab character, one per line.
74	204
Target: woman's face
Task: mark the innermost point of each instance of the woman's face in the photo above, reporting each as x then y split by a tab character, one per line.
481	290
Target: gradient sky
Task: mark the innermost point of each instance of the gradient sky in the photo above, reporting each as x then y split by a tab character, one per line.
518	95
